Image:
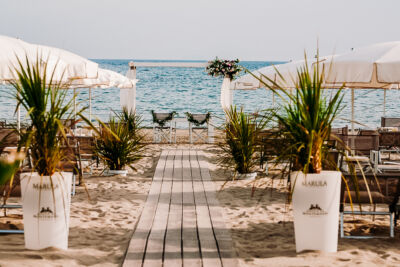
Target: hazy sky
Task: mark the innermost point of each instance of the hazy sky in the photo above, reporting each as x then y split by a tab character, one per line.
201	29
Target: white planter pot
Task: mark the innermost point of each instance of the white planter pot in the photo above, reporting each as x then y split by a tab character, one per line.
46	217
316	200
118	172
246	176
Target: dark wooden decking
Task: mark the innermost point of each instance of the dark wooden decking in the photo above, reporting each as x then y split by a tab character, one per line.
181	223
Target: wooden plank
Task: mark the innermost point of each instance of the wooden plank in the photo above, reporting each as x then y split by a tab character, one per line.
190	243
173	249
137	245
155	243
208	246
221	233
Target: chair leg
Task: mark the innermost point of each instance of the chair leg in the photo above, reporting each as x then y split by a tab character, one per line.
391	225
341	225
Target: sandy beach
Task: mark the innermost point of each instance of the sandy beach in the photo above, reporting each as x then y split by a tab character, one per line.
261	225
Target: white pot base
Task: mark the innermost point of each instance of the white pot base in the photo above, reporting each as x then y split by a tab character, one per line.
123	173
246	176
316	200
46	218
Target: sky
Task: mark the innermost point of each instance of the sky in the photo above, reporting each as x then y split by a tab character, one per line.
262	30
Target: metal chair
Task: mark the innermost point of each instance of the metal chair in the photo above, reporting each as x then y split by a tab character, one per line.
200	131
164	128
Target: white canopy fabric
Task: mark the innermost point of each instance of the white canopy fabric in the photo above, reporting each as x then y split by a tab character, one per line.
105	79
226	94
128	94
66	65
374	66
287	70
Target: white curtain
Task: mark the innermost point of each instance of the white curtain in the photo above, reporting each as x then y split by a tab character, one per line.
128	95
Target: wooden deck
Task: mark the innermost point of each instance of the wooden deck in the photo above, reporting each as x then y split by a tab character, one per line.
181	223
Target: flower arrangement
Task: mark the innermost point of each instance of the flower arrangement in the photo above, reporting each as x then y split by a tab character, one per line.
224	68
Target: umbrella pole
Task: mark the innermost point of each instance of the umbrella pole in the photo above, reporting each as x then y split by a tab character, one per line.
273	99
384	102
352	110
18	115
90	104
74	104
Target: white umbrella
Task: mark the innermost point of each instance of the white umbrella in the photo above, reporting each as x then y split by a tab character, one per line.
66	65
374	67
288	71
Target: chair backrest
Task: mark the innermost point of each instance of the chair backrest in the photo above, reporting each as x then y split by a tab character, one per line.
3	123
390	122
162	116
199	117
338	133
11	138
364	142
389	139
69	123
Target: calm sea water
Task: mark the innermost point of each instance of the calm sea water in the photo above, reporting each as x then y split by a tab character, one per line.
165	89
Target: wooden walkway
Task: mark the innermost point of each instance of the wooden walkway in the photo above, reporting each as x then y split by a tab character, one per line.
181	223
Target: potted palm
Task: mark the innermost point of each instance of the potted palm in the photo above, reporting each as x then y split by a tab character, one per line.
240	142
46	190
120	143
305	119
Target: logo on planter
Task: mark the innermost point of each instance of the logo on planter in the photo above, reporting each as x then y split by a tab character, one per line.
314	183
44	186
45	213
315	210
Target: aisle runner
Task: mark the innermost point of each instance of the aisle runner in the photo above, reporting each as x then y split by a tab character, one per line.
181	223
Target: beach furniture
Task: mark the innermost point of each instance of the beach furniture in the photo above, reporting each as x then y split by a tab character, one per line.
384	190
164	128
390	122
200	128
360	146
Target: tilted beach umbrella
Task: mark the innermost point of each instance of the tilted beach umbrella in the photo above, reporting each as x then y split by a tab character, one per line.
67	66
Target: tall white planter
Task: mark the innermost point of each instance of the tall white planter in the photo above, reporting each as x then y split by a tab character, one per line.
316	200
46	210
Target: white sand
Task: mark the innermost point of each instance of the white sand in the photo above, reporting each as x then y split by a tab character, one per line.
261	226
100	229
263	233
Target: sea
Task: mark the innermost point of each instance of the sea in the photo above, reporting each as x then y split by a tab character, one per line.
166	89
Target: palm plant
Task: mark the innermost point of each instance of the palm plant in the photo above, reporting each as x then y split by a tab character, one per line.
305	118
8	167
46	103
240	139
120	144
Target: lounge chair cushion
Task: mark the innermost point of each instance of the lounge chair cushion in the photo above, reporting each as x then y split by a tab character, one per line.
377	198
